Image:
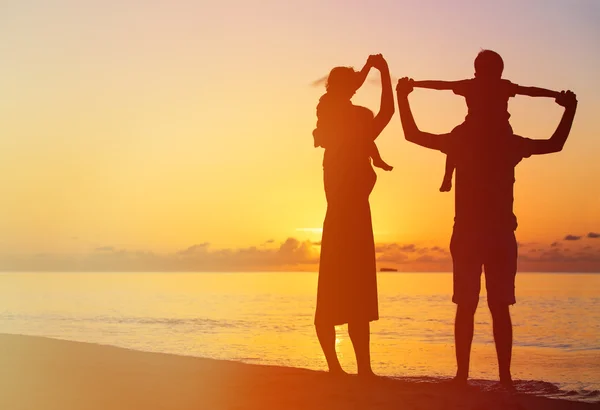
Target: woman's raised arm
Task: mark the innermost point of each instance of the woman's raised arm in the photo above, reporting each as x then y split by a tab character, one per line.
361	76
386	107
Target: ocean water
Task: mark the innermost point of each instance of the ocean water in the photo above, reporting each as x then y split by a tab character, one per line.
267	318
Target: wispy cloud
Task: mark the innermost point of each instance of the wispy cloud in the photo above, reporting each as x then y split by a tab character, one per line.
296	255
292	254
105	249
413	258
584	259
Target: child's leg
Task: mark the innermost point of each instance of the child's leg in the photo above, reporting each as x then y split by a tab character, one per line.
463	128
377	161
447	183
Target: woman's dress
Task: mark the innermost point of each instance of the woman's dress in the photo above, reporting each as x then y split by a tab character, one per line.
347	286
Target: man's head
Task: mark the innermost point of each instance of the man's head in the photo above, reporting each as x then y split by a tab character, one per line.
488	65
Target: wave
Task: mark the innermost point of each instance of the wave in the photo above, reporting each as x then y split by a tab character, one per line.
196	322
530	387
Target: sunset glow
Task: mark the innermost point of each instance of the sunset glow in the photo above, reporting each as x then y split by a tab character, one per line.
177	135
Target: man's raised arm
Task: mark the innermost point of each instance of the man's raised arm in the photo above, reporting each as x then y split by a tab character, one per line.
411	131
568	100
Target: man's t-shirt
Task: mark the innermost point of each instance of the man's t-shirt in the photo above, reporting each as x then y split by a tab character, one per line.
487	100
485	176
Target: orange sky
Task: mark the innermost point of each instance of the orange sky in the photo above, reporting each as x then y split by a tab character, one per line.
129	128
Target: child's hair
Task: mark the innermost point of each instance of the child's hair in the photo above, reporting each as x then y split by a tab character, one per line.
341	79
489	64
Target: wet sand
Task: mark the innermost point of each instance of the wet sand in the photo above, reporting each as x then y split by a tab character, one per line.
41	373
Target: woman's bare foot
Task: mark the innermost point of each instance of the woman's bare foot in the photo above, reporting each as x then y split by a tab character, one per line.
367	374
337	371
446	186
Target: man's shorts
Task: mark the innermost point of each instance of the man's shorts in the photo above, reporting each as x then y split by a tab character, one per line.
496	252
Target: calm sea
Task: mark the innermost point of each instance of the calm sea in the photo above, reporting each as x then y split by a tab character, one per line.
267	318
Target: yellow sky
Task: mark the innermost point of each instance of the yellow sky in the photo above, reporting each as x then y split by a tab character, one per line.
161	126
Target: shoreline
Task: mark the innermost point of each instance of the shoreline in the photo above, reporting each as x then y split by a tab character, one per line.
44	373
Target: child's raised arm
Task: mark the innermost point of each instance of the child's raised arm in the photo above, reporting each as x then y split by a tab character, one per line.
535	92
437	85
362	74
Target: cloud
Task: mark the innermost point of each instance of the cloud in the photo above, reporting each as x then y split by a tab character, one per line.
572	238
409	248
396	247
526	244
195	249
391	252
105	249
593	235
292	255
413	258
429	258
556	259
533	257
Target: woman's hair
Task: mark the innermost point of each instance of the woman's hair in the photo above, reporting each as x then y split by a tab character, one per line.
341	79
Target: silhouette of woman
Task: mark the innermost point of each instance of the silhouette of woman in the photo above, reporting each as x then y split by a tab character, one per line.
347	287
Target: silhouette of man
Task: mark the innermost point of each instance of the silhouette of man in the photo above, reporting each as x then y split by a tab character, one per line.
484	222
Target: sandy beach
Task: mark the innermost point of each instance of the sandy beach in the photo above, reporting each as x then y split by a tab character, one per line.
41	373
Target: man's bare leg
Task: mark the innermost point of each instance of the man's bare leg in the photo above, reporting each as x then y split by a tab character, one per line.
463	338
503	337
